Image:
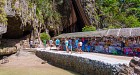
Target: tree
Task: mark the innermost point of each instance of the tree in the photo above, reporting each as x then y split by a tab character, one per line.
3	19
117	13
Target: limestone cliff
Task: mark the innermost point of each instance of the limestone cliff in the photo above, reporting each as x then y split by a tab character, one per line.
19	17
22	16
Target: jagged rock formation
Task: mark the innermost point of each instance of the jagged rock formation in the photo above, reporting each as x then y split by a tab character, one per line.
17	13
3	30
135	65
132	69
77	17
74	16
20	16
88	7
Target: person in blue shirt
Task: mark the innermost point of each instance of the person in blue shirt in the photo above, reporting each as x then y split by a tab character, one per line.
70	44
76	43
66	45
57	43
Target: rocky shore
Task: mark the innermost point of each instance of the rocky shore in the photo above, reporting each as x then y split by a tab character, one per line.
86	66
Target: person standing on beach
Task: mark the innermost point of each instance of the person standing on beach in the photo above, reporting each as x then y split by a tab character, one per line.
66	45
70	44
31	44
80	47
51	44
44	42
57	42
76	43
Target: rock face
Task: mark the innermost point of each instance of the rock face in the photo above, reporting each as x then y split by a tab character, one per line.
122	69
17	14
15	29
3	29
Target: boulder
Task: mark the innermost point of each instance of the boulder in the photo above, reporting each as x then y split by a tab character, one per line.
8	50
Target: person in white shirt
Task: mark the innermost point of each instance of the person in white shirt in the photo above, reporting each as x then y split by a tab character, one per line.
51	44
80	47
31	44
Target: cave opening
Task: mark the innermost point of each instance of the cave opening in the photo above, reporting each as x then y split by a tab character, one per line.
15	29
51	33
25	33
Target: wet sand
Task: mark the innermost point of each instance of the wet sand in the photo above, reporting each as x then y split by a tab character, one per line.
29	64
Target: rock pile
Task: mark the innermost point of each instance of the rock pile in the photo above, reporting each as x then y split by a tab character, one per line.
135	65
132	69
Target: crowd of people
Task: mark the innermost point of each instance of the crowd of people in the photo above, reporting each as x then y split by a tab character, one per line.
66	44
110	45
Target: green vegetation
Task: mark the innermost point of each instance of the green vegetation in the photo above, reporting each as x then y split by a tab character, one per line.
3	15
47	13
44	36
116	13
40	14
88	28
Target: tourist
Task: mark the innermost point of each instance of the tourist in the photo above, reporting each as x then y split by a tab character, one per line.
57	42
51	44
76	43
93	45
70	44
126	43
44	42
122	45
84	44
36	43
88	48
31	44
134	42
106	47
66	45
63	44
80	46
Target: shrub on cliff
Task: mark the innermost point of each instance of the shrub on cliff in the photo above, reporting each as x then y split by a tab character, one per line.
44	36
88	28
